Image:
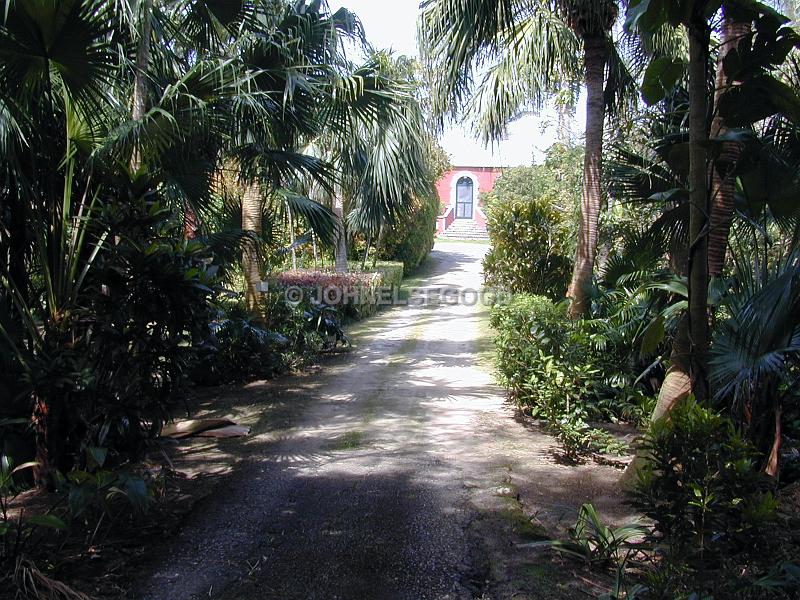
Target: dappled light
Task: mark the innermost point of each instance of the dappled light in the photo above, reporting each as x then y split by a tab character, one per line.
413	300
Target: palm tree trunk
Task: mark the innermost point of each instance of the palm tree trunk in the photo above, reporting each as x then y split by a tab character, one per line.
698	210
772	467
251	221
340	248
366	252
139	82
676	386
677	383
291	237
595	53
687	372
723	182
191	223
48	424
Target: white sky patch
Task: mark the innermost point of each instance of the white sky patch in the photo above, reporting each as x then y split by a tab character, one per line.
393	24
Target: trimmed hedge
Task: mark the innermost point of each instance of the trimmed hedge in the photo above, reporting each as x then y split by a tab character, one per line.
411	237
355	294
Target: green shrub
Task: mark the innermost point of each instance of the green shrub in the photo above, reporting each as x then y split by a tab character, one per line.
19	531
356	294
710	505
595	543
149	298
563	371
549	362
391	273
239	349
529	247
531	226
411	237
112	368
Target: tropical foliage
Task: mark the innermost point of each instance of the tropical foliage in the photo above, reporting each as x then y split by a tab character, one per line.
566	372
693	294
530	221
170	171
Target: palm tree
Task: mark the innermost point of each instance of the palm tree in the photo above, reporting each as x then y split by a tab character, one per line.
591	21
66	128
723	183
142	64
292	63
538	47
374	136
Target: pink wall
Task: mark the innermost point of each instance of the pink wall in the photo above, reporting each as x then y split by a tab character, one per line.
445	220
486	176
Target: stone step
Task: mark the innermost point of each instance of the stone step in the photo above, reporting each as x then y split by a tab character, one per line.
471	225
465	230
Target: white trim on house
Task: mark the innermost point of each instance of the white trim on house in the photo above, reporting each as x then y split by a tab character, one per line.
475	189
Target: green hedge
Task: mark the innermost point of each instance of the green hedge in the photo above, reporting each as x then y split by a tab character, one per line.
532	217
411	237
562	371
541	357
391	273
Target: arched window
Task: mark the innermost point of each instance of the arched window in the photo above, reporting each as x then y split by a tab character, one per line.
464	194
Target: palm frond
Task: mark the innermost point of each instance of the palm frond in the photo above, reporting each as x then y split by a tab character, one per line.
753	349
541	50
52	50
319	218
456	33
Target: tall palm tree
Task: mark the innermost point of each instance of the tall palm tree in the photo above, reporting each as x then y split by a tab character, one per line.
292	61
723	182
141	66
591	21
66	126
538	45
375	138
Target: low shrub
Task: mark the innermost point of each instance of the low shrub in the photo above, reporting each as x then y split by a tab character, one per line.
595	543
110	360
19	532
239	349
550	363
712	508
302	311
355	294
563	371
150	298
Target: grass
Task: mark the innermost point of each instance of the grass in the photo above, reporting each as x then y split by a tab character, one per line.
352	440
484	344
521	524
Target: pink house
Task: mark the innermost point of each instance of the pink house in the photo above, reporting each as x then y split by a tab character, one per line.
460	190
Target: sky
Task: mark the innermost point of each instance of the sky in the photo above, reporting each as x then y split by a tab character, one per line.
392	24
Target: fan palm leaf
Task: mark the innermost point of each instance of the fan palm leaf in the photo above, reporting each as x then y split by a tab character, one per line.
755	346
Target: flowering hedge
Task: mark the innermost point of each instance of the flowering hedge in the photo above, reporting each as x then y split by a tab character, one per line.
357	293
